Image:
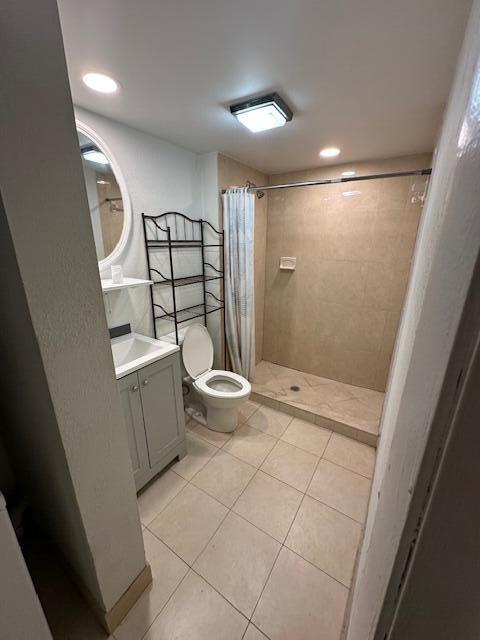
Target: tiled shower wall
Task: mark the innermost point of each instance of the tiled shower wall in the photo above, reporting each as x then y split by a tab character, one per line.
337	314
233	173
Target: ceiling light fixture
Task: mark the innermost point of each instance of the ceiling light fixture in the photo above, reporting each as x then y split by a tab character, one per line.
330	152
348	174
100	82
93	154
260	114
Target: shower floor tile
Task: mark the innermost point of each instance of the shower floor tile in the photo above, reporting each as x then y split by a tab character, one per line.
352	411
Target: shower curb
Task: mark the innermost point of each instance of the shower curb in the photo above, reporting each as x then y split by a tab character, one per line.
334	425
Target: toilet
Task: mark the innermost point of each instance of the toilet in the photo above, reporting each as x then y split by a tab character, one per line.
220	393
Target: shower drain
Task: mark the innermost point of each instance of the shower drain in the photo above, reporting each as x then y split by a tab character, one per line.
295	387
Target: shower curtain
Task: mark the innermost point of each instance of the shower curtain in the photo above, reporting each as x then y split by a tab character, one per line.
238	223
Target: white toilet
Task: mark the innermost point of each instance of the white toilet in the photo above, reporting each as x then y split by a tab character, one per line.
221	393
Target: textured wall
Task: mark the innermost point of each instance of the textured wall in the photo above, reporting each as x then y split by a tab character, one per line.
60	407
337	315
232	173
448	245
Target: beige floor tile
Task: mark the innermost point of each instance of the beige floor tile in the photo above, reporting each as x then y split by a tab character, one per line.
269	504
188	522
217	438
341	489
158	494
307	436
224	477
270	421
237	562
326	538
300	602
168	571
291	465
199	453
197	612
250	445
246	410
252	633
350	454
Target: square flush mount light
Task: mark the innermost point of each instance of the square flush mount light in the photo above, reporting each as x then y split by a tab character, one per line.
93	154
260	114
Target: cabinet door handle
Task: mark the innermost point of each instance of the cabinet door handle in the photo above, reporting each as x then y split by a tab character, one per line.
145	382
135	387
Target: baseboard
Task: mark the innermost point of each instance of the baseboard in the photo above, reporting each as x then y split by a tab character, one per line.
112	618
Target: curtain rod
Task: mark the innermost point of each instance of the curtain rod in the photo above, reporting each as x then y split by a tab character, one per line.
308	183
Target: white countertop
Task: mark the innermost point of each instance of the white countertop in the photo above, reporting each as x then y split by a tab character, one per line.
134	351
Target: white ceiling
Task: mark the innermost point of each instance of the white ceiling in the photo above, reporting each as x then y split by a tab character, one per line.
370	76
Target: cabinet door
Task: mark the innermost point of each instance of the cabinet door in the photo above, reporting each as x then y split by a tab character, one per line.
161	387
133	416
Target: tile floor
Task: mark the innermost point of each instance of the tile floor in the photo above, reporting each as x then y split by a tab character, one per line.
253	535
352	411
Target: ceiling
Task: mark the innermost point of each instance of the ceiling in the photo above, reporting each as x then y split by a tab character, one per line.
370	77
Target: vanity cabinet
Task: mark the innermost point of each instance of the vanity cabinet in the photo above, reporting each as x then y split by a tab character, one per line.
154	416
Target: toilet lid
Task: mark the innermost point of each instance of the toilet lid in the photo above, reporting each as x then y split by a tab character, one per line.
197	350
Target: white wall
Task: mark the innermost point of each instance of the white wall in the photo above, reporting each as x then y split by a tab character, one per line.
445	255
61	411
159	177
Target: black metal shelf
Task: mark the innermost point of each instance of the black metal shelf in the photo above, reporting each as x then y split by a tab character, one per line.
173	230
177	244
188	313
183	282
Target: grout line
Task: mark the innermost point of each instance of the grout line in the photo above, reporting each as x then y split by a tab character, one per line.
145	526
345	515
266	582
166	603
230	510
318	568
348	469
320	458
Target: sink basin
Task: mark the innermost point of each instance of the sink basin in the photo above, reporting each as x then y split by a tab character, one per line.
134	351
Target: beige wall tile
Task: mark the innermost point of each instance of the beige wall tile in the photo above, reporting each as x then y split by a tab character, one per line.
337	315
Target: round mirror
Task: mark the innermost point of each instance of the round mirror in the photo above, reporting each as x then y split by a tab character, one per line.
107	197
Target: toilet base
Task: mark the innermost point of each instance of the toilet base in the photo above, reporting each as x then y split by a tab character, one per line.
224	420
214	418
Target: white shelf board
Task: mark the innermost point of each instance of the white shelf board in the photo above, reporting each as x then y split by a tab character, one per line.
108	285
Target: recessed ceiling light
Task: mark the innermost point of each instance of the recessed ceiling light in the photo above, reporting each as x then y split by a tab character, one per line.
260	114
100	82
348	174
329	152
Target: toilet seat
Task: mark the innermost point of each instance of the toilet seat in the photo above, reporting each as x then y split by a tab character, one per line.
202	384
197	353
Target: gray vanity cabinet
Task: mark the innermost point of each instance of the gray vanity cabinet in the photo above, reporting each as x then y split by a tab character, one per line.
133	416
154	418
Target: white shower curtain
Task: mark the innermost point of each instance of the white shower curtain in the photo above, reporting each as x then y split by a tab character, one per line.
238	223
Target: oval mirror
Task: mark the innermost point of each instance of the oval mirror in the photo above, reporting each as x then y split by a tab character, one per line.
108	202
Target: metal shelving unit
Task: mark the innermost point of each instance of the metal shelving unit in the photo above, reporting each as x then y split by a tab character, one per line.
168	232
